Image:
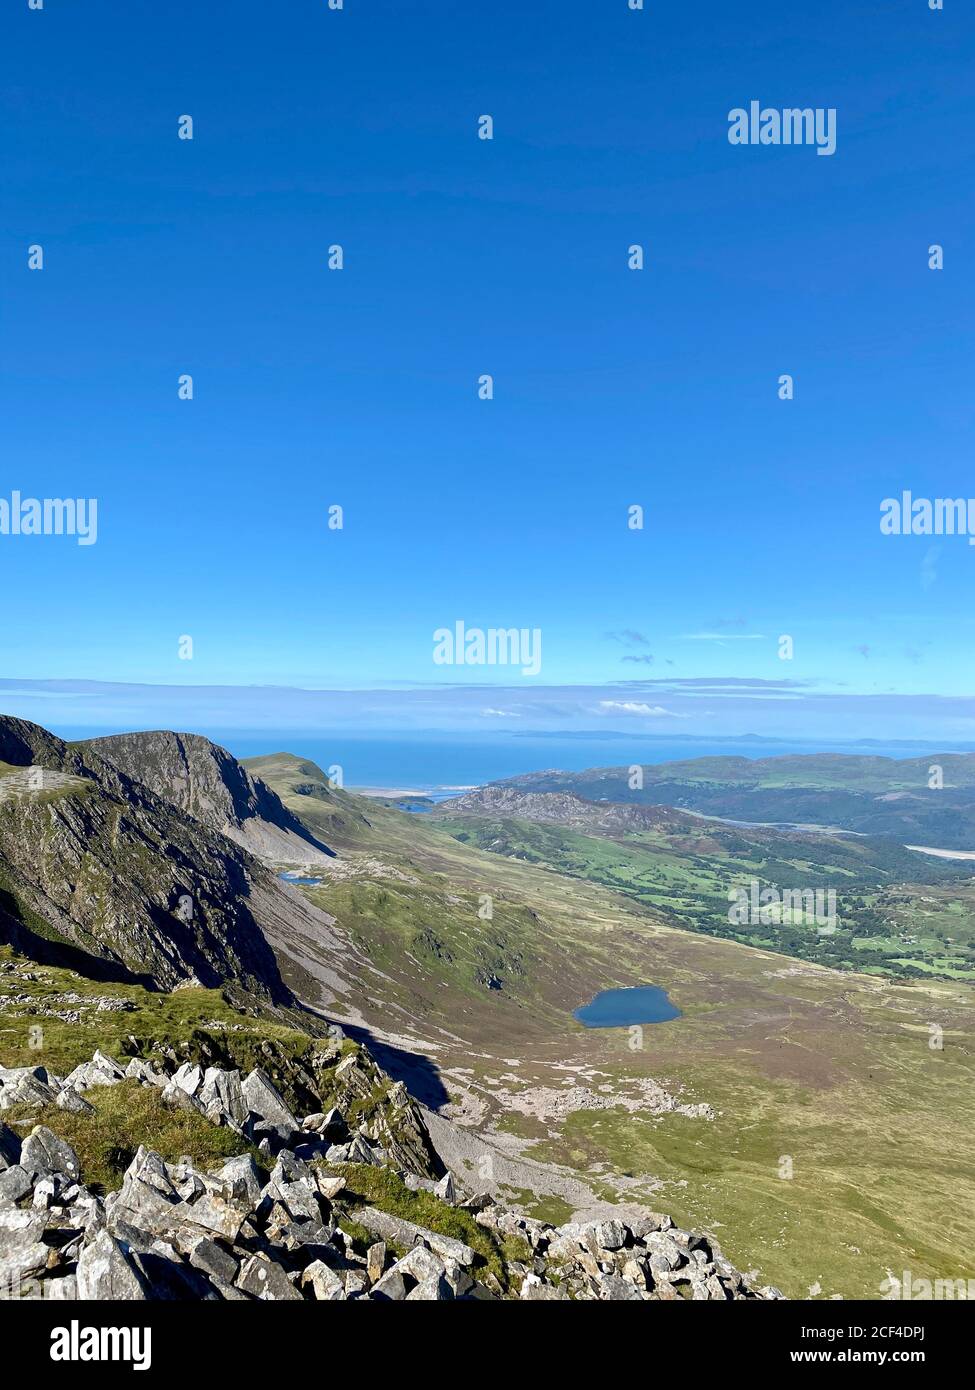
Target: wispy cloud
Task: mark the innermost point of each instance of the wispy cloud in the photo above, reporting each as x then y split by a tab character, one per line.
712	706
638	708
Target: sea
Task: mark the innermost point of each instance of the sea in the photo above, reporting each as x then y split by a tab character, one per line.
441	763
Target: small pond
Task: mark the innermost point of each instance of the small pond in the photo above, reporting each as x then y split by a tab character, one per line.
622	1008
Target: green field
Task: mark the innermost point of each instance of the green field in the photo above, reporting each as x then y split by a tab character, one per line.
687	881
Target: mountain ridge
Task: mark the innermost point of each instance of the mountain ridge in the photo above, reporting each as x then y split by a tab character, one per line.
93	860
205	781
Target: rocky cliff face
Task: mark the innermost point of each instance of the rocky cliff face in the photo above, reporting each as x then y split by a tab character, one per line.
92	857
204	781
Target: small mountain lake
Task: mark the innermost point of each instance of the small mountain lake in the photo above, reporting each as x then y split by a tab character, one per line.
623	1008
296	878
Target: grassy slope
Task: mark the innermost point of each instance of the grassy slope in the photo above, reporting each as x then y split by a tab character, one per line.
31	1032
832	1069
126	1116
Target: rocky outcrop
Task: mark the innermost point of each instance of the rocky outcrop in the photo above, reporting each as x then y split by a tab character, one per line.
565	808
204	781
295	1228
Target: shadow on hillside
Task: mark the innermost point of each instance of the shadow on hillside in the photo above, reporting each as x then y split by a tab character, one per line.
418	1074
62	954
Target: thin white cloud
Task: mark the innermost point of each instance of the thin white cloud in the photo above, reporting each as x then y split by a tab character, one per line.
500	714
638	707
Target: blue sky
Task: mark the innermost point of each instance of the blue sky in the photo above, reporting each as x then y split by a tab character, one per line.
463	256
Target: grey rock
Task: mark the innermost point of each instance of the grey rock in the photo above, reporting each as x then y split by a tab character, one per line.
661	1268
324	1283
26	1089
328	1186
360	1151
391	1287
9	1147
22	1260
71	1100
175	1098
20	1223
14	1075
106	1271
479	1202
446	1189
651	1221
355	1283
299	1200
333	1123
14	1183
143	1205
102	1070
150	1168
188	1078
665	1251
264	1101
243	1179
45	1193
434	1289
109	1065
43	1153
205	1254
64	1288
222	1097
137	1069
420	1264
537	1292
375	1261
615	1289
263	1279
459	1280
610	1235
396	1231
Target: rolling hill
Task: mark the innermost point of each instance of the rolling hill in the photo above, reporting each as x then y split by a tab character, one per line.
870	795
